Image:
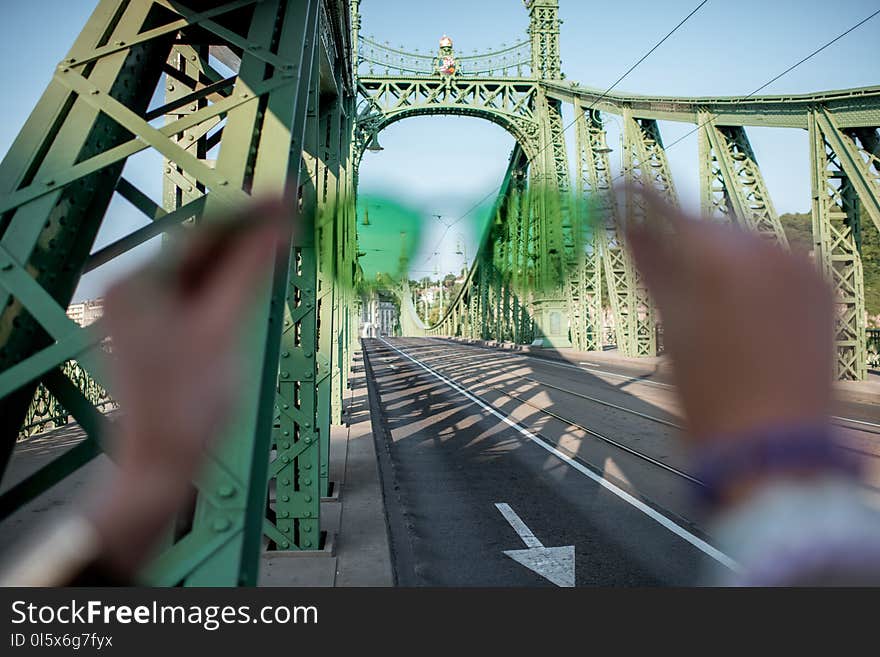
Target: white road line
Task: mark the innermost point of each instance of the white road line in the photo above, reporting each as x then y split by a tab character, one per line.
518	525
591	364
654	515
849	419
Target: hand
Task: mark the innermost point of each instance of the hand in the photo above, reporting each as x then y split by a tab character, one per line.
749	327
174	373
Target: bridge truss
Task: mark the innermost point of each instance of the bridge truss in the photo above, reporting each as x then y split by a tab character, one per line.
256	99
845	164
283	96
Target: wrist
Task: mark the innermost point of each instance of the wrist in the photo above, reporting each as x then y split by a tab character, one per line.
733	466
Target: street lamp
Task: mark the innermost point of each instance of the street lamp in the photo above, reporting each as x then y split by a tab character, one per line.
461	249
374	146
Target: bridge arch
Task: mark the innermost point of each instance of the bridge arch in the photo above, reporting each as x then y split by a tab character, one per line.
509	104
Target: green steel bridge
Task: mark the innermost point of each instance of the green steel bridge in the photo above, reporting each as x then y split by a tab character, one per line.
285	96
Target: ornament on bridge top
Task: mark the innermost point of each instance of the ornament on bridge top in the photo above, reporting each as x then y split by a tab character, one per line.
445	63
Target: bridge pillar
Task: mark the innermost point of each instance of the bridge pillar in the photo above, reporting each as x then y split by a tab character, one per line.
731	183
551	323
845	170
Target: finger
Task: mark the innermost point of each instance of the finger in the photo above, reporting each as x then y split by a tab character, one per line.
245	265
208	248
651	238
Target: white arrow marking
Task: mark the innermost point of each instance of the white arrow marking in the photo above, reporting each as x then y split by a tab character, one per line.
555	564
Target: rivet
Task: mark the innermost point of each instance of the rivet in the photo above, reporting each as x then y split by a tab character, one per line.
285	406
221	525
285	544
245	94
285	482
307	529
308	543
307	482
222	183
285	374
170	87
120	43
49	182
285	445
192	107
286	354
286	433
285	459
225	491
285	498
308	498
284	514
307	514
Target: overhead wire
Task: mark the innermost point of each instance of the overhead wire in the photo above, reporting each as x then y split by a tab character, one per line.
620	79
766	84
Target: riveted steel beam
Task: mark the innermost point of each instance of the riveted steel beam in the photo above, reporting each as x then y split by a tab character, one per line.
732	186
844	182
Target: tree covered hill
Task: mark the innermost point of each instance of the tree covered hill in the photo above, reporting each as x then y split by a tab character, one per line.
798	229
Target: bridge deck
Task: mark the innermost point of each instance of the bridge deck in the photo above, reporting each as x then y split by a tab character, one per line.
467	428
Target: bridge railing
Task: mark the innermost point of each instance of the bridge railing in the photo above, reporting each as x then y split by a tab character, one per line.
375	58
46	412
873	343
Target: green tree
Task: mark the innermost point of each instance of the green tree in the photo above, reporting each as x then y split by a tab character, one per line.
798	228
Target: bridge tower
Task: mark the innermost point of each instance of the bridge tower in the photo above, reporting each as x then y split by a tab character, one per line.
254	98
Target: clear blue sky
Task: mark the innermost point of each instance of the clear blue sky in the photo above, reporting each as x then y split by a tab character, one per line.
442	165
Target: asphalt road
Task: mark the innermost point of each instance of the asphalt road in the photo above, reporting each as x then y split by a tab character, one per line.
450	458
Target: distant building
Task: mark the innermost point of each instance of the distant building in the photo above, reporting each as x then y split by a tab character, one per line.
86	312
378	317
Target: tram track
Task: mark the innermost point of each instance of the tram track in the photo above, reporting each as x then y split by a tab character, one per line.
647	503
844	443
862	426
471	385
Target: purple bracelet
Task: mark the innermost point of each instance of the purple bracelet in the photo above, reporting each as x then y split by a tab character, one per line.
769	451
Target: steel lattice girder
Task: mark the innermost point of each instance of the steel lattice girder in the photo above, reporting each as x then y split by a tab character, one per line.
731	179
597	205
845	181
65	165
644	164
853	108
492	276
731	182
509	102
544	34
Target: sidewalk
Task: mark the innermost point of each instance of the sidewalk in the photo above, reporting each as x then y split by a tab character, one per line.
357	551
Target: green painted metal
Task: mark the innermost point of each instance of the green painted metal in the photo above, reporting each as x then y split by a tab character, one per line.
732	186
291	60
845	184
